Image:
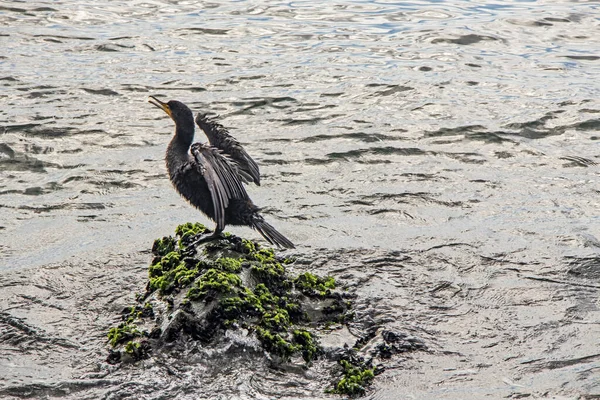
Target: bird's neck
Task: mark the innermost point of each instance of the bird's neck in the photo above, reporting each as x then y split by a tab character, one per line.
184	132
178	152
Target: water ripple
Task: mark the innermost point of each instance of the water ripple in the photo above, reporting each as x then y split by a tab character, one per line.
439	157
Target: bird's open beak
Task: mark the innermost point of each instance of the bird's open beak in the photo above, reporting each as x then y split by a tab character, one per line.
161	105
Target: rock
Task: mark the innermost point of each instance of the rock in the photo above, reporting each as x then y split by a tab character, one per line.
230	284
234	295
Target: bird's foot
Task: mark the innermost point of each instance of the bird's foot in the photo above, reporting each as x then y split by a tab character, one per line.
191	242
206	238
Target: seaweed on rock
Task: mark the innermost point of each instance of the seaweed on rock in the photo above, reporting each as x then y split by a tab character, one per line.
228	284
202	291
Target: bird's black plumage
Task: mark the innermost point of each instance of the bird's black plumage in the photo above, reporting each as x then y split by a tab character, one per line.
211	180
219	137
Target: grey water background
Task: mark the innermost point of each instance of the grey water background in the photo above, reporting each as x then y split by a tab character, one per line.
438	158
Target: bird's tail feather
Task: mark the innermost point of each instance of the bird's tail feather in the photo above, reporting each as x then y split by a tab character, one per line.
271	234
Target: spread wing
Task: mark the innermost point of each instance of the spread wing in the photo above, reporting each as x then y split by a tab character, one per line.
220	138
222	178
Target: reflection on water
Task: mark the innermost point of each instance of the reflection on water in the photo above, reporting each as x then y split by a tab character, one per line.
402	127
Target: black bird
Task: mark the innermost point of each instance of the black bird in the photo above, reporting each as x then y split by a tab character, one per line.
210	180
219	137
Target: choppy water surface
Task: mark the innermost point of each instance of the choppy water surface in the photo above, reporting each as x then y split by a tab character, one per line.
438	158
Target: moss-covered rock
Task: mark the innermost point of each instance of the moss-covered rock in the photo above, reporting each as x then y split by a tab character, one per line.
202	291
226	284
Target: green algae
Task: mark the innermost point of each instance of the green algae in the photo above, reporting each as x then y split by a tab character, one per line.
276	320
276	344
302	342
172	271
132	347
245	301
264	264
123	332
229	264
248	246
264	294
308	344
131	314
355	380
215	281
268	272
262	255
135	351
164	246
177	277
187	230
312	283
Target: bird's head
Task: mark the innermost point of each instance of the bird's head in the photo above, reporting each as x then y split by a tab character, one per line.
181	114
178	111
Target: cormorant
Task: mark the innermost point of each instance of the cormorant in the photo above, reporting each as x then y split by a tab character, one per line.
210	180
219	137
